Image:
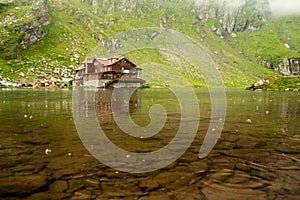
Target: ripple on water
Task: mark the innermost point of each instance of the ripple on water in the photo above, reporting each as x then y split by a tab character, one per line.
233	184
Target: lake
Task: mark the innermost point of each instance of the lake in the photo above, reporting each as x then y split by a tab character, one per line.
43	156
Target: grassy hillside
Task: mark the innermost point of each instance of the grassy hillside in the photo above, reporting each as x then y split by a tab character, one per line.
79	26
268	43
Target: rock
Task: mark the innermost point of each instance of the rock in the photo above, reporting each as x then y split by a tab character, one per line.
259	84
65	172
239	177
20	185
75	185
170	177
38	196
58	187
232	17
287	45
148	184
290	67
83	194
233	35
34	31
198	167
221	176
157	195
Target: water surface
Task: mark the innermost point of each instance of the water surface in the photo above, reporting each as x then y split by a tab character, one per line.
257	156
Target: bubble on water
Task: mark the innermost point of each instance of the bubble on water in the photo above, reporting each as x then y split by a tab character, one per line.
48	151
249	120
267	112
70	154
30	117
25	116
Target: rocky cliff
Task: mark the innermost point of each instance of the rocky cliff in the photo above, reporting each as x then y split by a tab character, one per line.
290	67
233	16
22	24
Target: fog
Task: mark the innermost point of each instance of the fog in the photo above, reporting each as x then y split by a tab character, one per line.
278	7
285	7
229	3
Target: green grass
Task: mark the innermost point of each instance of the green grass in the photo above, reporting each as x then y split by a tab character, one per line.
282	83
262	45
74	31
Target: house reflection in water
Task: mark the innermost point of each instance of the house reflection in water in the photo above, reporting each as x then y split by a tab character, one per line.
104	102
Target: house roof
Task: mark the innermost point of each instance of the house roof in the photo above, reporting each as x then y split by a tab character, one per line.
80	68
112	61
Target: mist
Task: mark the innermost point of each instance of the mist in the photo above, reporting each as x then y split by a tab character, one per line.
285	7
228	3
277	7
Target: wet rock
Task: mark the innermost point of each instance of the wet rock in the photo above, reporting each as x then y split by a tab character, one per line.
65	172
198	167
22	168
215	191
83	194
75	185
189	193
38	196
58	186
221	176
111	193
59	196
255	184
188	157
148	184
92	181
170	177
156	195
239	178
20	185
113	173
242	167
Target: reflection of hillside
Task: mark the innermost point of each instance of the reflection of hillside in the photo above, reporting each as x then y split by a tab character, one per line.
103	99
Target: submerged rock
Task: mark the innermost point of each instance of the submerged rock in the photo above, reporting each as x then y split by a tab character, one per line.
20	185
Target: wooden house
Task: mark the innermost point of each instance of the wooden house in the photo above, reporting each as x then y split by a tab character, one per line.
104	72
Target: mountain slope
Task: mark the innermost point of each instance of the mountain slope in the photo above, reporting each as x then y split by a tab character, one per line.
239	38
